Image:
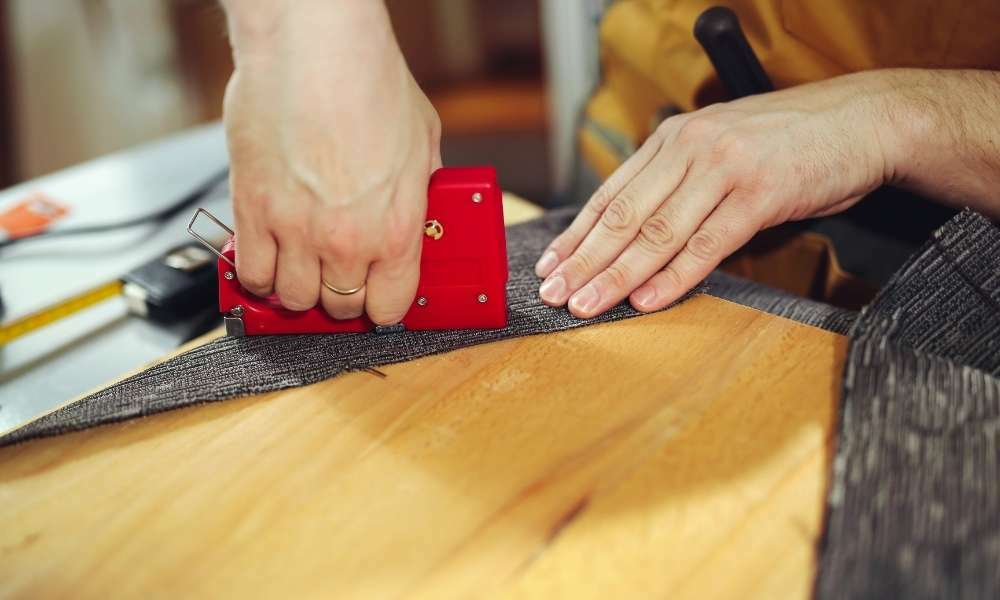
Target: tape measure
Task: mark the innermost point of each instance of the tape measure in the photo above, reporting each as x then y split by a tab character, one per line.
57	311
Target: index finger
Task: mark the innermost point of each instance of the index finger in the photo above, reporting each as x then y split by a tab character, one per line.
564	244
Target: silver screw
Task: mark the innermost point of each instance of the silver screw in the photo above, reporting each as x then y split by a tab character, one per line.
482	298
237	311
421	301
477	197
229	275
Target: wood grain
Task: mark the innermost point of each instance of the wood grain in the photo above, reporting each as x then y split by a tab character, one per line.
681	454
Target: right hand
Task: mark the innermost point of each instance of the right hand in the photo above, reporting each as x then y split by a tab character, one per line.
331	144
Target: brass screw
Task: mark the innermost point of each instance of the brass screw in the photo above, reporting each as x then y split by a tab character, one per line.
482	298
229	275
433	229
477	197
421	301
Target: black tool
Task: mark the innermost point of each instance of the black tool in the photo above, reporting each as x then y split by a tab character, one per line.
176	285
719	33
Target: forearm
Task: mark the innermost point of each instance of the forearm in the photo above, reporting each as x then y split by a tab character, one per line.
942	135
331	145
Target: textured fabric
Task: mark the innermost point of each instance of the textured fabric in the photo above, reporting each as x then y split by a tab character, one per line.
914	505
232	367
779	303
946	300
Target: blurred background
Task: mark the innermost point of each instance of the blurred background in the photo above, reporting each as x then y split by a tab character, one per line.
82	78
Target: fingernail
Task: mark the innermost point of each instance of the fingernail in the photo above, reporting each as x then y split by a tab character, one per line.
585	300
546	263
644	296
553	290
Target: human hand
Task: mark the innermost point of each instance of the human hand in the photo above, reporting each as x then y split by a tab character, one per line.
331	144
705	182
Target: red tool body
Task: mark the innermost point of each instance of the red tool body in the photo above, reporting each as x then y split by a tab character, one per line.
463	268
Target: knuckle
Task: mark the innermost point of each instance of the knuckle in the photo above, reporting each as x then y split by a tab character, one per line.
579	265
435	127
296	300
349	309
385	315
252	277
705	244
334	239
249	203
255	282
620	214
656	235
667	125
295	294
287	223
672	277
400	239
728	147
390	294
600	200
248	193
562	244
618	276
343	315
696	129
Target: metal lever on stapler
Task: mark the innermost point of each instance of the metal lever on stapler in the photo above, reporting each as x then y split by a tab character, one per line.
203	241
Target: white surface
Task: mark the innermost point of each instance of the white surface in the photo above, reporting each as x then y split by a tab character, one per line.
117	187
91	77
570	36
54	364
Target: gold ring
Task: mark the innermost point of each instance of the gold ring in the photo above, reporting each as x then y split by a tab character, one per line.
337	290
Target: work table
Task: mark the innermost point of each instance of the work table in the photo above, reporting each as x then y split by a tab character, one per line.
680	454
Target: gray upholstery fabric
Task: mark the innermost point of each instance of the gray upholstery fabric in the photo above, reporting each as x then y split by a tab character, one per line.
946	299
780	303
232	367
914	505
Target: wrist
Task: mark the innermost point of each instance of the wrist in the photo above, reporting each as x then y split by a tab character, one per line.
262	26
906	118
252	22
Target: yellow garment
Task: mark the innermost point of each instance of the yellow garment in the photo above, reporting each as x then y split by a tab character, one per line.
650	58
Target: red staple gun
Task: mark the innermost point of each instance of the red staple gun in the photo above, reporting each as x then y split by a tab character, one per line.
463	268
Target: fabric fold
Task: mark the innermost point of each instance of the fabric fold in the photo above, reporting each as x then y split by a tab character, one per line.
914	504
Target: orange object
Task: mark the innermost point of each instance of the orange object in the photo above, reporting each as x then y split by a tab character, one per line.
32	215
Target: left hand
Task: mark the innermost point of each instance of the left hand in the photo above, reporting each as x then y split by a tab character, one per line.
705	182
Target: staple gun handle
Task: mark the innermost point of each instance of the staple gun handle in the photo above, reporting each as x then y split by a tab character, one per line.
719	33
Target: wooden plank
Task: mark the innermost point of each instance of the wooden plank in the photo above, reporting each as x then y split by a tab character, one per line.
570	464
682	454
